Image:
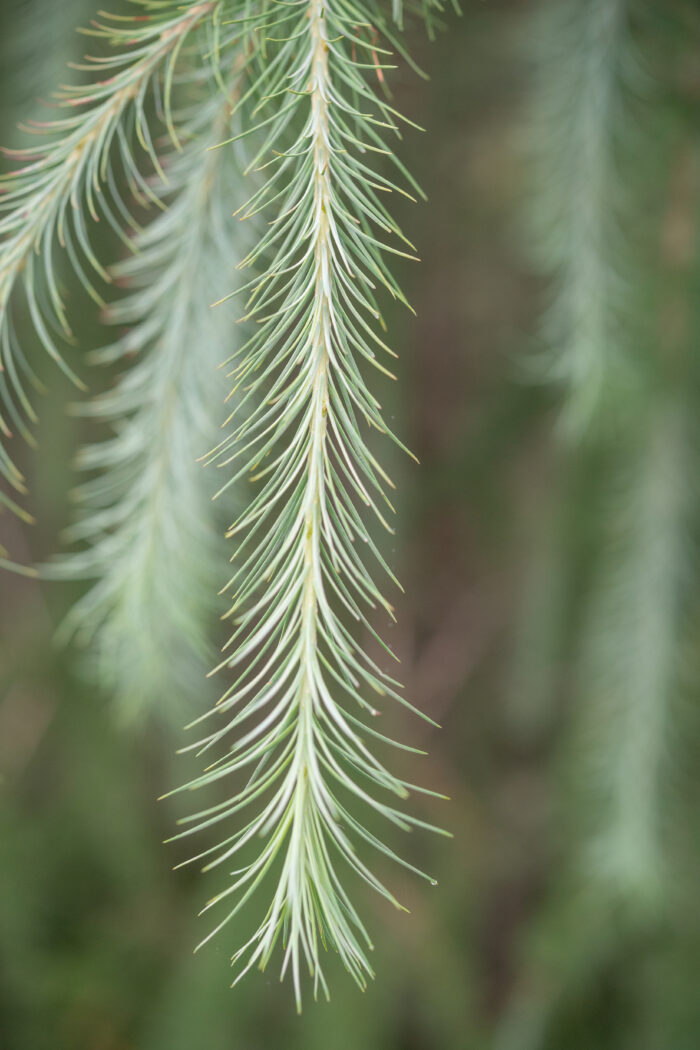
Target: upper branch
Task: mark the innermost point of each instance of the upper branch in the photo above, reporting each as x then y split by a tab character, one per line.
44	201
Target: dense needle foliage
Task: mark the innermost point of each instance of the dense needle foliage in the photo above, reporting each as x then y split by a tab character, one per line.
295	76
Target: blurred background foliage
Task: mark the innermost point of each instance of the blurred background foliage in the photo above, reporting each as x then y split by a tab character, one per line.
551	624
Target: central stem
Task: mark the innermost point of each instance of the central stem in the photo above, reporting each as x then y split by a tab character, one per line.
304	769
319	351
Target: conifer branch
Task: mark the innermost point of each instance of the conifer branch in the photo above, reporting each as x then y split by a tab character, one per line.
44	202
588	73
300	673
147	520
302	409
630	677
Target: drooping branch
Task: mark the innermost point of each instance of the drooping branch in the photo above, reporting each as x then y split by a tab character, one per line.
152	539
301	673
46	202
